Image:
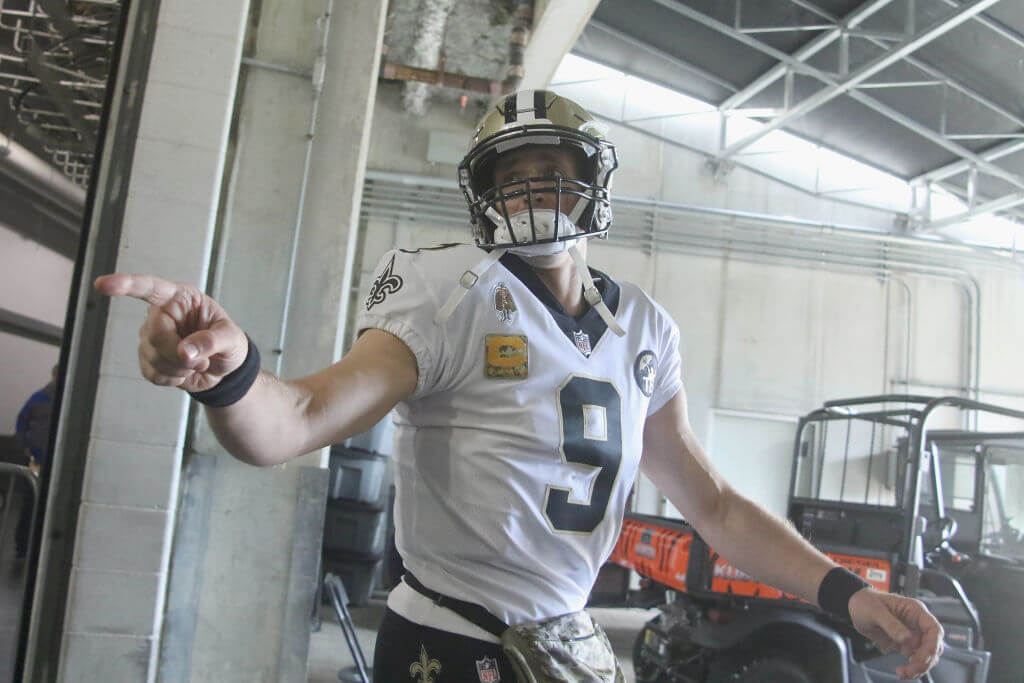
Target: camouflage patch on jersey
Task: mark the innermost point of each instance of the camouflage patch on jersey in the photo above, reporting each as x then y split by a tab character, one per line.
506	356
569	648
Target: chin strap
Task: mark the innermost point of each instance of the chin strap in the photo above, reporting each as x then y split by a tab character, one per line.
591	294
466	283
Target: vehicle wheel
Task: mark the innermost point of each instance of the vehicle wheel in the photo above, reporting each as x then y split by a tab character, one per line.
774	669
644	667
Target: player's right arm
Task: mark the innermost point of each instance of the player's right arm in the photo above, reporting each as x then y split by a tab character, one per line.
276	420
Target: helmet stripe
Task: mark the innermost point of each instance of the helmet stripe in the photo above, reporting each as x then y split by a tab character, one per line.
523	102
510	108
540	107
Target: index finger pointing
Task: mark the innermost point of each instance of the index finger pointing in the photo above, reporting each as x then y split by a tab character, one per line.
153	290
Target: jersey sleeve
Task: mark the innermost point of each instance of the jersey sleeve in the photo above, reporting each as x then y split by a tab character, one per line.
403	302
669	379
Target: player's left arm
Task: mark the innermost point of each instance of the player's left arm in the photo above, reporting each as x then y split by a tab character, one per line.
769	548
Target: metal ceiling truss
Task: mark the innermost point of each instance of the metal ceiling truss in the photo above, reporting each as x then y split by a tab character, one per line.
54	64
854	83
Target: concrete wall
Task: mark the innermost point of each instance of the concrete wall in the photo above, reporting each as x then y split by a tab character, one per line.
244	581
35	282
762	343
115	607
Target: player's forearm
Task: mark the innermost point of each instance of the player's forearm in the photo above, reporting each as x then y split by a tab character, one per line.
765	547
266	426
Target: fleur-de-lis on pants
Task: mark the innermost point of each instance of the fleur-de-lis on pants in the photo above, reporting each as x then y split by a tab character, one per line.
426	668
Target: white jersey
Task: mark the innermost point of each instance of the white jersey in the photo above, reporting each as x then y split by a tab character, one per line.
517	450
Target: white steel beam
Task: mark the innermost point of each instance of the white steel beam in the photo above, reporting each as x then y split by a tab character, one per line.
980	210
556	26
940	140
956	167
865	72
804	53
968	157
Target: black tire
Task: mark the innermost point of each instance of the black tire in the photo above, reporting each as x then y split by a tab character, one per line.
774	669
646	667
643	668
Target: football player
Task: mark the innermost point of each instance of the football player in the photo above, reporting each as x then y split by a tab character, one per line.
526	387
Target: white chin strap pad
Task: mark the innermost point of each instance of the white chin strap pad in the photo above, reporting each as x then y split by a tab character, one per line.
466	283
546	224
593	296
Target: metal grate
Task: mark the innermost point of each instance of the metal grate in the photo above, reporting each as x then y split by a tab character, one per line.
55	58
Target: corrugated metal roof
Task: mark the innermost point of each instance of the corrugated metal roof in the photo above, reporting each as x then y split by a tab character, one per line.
974	73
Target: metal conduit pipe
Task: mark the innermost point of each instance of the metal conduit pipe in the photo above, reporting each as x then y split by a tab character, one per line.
992	256
427	207
906	361
26	168
849	230
523	22
760	252
769	251
319	72
884	260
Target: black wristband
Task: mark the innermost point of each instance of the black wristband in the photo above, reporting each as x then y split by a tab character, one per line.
836	589
234	385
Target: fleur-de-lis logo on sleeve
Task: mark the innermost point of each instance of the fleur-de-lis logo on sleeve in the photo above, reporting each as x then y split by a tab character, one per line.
386	283
425	669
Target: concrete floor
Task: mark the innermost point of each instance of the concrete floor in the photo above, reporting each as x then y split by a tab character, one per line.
328	653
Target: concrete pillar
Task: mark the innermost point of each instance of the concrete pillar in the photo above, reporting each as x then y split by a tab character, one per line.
115	604
249	539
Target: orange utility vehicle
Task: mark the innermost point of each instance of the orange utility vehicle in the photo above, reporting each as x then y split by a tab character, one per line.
864	476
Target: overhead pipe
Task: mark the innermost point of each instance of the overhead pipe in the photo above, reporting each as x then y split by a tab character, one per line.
996	257
26	168
885	259
447	79
762	252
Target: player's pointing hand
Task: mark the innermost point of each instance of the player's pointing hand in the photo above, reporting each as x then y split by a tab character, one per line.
187	340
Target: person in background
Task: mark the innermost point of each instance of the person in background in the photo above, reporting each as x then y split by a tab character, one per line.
33	431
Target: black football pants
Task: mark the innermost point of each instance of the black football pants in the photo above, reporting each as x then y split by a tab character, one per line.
406	651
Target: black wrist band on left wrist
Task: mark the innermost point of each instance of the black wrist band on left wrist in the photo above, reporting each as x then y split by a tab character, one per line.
836	589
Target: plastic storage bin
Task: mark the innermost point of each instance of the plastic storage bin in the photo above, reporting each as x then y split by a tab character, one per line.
358	475
354	528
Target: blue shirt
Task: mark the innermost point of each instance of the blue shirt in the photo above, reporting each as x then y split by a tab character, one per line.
33	426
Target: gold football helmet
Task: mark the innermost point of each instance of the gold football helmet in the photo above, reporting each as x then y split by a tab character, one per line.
538	118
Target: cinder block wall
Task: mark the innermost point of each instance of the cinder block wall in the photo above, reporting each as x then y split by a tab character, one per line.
122	549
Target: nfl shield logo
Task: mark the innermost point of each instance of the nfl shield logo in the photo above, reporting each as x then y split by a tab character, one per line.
487	668
582	340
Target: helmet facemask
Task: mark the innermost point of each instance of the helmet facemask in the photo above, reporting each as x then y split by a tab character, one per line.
545	212
549	212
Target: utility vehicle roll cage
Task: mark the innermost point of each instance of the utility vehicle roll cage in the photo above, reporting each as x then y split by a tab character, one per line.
915	456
